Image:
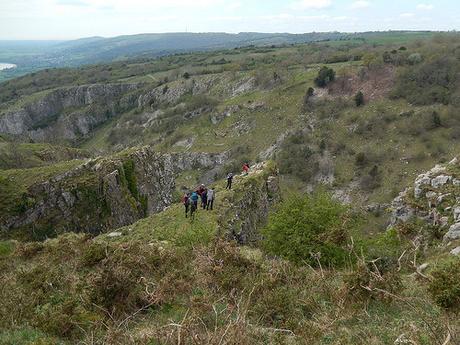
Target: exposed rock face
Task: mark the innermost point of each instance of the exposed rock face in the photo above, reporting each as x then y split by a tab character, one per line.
69	113
172	92
455	251
434	198
256	193
453	233
106	193
244	86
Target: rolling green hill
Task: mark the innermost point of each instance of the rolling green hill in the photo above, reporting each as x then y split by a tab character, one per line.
31	56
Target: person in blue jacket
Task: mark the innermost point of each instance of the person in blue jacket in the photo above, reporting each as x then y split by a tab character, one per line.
194	198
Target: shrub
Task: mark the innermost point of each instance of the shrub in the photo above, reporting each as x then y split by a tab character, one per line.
371	180
373	279
428	83
415	58
445	285
307	229
325	76
361	159
298	157
436	119
359	99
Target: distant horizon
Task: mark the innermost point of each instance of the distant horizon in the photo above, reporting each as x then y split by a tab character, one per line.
222	32
34	20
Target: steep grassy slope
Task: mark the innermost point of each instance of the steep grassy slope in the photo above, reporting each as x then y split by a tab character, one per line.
166	278
28	155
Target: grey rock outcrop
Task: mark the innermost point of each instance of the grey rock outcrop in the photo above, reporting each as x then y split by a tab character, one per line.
434	198
453	233
246	214
455	251
440	181
106	193
68	113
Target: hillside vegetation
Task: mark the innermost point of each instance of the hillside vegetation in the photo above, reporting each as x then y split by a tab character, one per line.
310	248
32	56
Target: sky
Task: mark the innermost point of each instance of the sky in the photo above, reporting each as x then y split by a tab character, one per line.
71	19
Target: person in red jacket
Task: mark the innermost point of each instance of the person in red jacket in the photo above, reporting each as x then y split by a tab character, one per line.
245	168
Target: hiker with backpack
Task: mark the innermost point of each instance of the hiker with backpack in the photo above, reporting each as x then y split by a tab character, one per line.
229	181
210	197
186	201
194	198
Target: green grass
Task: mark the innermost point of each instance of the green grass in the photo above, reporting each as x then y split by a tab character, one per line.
15	182
27	336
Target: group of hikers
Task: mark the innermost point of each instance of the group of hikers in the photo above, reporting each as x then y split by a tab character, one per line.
190	200
205	195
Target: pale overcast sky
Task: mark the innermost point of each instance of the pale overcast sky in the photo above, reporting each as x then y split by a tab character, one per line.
69	19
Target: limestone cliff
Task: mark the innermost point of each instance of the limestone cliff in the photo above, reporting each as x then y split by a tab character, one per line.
248	210
68	113
103	193
433	198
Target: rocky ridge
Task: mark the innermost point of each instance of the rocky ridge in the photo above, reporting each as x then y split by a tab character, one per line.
105	193
257	192
68	113
434	198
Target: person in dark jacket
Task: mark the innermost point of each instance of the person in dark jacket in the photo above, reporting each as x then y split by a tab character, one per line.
229	181
204	198
186	201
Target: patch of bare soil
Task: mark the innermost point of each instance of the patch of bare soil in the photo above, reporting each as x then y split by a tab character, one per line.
374	84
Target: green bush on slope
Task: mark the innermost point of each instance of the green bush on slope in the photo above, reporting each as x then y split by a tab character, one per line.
308	229
445	286
428	83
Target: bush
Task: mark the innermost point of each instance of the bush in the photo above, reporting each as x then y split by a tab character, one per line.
375	279
307	229
372	180
325	76
428	83
445	286
298	157
359	99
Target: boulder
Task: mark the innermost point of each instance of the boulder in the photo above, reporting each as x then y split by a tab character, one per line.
423	180
440	181
422	267
453	233
417	192
457	213
431	195
455	251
